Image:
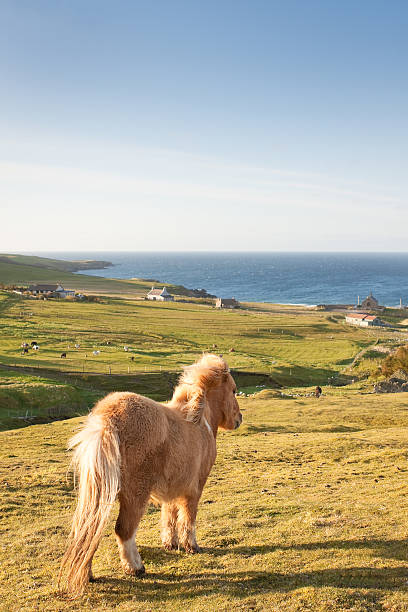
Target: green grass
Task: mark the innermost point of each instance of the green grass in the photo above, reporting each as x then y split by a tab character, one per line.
296	348
25	399
306	509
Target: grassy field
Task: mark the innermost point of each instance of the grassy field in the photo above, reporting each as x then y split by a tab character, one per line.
306	509
302	347
285	347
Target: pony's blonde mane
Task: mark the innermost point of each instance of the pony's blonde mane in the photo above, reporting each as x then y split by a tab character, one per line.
189	395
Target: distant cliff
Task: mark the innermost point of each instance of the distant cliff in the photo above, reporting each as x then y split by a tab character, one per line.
88	264
54	264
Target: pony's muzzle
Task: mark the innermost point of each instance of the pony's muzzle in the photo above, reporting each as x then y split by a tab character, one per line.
238	422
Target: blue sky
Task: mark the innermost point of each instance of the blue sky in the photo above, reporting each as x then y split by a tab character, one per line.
184	125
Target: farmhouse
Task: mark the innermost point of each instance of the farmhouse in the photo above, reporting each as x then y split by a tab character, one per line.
227	303
48	290
162	295
362	319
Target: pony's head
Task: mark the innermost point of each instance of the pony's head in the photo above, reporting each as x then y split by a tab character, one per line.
207	386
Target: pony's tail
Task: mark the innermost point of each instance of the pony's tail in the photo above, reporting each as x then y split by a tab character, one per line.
97	462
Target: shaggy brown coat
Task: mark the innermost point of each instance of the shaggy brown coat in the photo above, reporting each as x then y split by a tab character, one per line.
136	449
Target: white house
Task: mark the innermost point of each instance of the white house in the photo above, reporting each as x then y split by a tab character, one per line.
57	290
362	319
161	295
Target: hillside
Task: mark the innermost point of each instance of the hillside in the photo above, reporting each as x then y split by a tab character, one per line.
283	521
54	264
27	269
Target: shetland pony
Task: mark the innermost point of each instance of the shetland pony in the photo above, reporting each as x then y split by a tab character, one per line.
138	450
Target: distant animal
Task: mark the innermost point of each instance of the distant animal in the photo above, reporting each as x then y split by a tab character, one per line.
136	449
232	350
132	358
33	344
126	348
35	347
318	391
63	355
95	352
77	346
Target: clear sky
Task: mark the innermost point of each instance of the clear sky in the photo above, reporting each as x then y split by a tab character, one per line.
203	125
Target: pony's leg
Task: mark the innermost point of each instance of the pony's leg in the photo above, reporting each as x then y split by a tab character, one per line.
169	534
130	513
187	513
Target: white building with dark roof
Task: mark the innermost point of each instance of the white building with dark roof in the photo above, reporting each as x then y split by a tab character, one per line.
227	303
57	290
161	295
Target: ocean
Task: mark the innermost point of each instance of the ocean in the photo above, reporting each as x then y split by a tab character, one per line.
286	278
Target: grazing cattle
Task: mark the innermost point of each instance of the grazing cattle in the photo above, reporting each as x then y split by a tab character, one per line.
63	355
136	449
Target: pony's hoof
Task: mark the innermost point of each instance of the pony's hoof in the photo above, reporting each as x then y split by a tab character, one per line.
132	571
169	547
193	550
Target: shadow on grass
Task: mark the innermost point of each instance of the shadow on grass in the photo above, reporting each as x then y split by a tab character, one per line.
250	428
295	375
239	585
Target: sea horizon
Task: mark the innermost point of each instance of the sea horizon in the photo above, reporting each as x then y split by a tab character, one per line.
284	277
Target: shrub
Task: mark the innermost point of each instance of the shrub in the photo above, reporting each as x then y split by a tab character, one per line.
396	361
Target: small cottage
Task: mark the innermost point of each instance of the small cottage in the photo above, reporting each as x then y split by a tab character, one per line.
227	303
161	295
